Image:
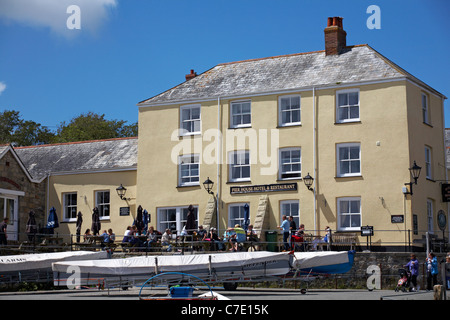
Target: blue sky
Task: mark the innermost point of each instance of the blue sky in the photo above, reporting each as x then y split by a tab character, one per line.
129	50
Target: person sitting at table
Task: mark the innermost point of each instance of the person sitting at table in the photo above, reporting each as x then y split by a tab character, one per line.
325	239
87	236
165	240
152	236
201	233
240	236
298	238
105	238
126	235
251	234
216	243
227	238
112	236
134	237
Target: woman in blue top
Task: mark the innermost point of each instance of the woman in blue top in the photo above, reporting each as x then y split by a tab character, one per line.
432	270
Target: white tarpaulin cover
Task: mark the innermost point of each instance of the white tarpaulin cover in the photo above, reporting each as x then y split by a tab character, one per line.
304	260
45	260
181	263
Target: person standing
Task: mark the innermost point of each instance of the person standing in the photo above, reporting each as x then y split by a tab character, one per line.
3	234
413	267
432	270
292	229
285	228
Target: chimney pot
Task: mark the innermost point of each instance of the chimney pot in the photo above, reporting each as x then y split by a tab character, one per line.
191	75
330	22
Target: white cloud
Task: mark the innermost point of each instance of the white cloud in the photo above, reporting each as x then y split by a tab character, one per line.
2	87
53	13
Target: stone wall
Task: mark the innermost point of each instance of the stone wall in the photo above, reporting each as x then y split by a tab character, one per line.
388	262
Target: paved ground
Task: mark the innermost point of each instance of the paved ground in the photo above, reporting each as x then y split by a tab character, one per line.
239	294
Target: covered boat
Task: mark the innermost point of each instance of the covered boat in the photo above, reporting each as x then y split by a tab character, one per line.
214	267
323	262
27	267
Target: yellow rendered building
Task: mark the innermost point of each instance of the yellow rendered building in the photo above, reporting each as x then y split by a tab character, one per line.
347	117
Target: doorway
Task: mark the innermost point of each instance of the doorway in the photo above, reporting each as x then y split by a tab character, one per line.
9	209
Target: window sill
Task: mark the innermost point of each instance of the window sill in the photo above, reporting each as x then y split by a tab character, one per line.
189	186
348	122
358	177
291	179
240	181
186	135
240	127
289	125
69	221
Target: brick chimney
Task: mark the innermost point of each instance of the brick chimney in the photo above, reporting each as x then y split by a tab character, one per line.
191	75
335	36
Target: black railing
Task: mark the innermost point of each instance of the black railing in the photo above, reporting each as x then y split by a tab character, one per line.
270	240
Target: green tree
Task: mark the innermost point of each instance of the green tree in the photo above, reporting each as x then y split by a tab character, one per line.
18	132
92	126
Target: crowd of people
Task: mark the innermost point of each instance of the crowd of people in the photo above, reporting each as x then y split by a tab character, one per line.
231	240
432	270
294	239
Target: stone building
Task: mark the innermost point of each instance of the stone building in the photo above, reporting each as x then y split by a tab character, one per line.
19	193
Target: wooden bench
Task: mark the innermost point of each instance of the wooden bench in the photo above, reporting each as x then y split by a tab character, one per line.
347	239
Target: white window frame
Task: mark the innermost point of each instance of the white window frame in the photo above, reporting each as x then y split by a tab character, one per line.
67	206
190	120
350	214
234	124
103	207
291	163
290	111
348	106
194	179
425	108
296	215
179	222
240	153
428	163
9	200
339	160
240	219
430	215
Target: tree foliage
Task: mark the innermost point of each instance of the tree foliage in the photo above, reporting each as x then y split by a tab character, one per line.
90	126
18	132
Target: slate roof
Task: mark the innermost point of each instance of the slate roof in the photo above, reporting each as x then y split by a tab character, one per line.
82	156
358	63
